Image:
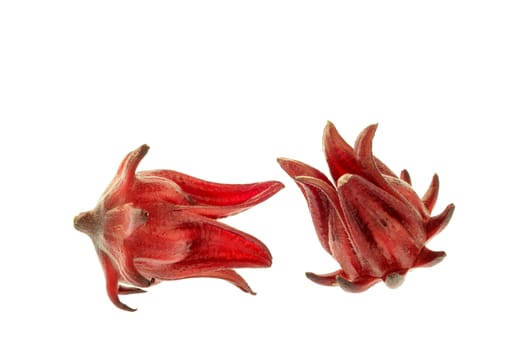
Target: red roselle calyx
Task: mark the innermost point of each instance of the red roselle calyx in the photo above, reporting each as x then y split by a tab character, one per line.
370	220
159	225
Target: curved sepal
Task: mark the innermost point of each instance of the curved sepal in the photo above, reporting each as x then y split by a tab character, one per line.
112	281
124	290
439	222
125	177
357	286
227	275
329	279
430	197
405	176
429	258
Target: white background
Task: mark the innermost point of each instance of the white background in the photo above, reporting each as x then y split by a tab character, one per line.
220	89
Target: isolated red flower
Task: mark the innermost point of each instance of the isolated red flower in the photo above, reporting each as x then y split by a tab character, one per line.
158	225
372	222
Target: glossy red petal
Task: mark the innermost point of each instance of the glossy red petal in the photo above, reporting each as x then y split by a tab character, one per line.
214	193
367	162
320	212
150	189
339	155
405	192
295	168
322	201
207	245
217	200
170	246
171	272
220	211
386	231
342	158
317	203
340	241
